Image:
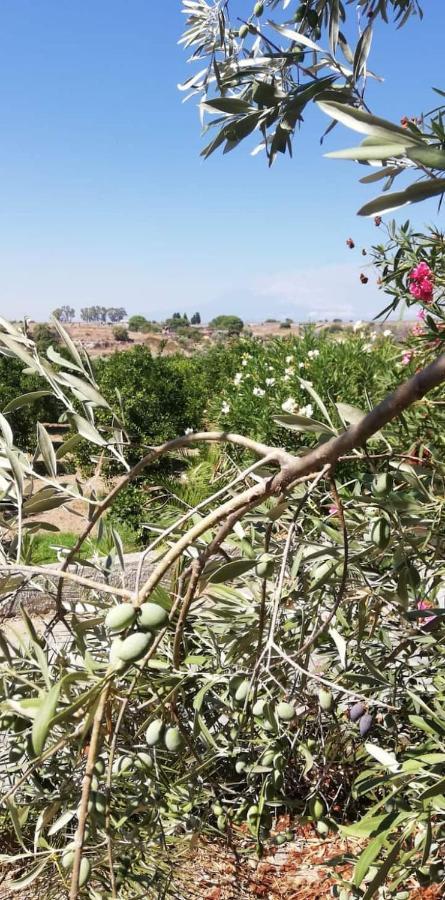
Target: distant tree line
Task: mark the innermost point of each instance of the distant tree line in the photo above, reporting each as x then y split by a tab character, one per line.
91	314
178	322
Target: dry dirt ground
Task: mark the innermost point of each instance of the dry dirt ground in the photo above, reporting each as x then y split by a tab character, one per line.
295	871
98	340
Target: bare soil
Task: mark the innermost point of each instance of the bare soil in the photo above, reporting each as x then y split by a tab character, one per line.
298	870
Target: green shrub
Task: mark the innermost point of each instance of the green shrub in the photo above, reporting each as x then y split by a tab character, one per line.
161	396
231	324
120	333
137	323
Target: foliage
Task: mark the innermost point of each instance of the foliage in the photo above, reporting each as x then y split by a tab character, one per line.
64	313
260	74
277	377
231	324
120	333
140	323
312	634
45	336
159	397
177	321
116	313
195	319
136	323
395	150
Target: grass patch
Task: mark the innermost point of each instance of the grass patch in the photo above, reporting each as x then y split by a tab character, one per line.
45	544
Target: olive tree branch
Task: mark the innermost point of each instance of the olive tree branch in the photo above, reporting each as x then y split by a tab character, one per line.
275	454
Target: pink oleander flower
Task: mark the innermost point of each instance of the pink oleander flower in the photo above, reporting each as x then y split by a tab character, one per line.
417	329
422	270
421	313
421	285
425	604
407	357
333	510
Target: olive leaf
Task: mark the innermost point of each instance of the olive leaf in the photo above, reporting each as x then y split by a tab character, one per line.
42	722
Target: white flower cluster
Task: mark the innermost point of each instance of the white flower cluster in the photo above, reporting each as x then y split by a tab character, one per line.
290	406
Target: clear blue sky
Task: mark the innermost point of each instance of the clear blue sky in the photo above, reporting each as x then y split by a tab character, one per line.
104	198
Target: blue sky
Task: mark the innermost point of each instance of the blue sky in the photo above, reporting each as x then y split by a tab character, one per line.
104	198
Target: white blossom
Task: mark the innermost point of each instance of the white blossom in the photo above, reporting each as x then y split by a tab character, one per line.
225	408
357	325
373	335
289	405
238	378
307	411
270	382
387	333
188	431
312	354
301	365
289	359
244	362
289	371
367	348
258	392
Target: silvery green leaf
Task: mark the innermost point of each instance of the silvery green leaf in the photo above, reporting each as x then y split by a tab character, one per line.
433	157
296	37
6	430
46	448
60	360
25	399
370	153
61	821
25	881
362	52
229	105
365	123
42	721
334	23
232	570
82	388
386	759
87	430
69	344
295	422
17	350
415	193
68	446
17	470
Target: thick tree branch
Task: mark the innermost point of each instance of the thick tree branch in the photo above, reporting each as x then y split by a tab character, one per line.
390	408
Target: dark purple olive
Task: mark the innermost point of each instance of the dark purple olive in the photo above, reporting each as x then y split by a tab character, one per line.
366	723
356	711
